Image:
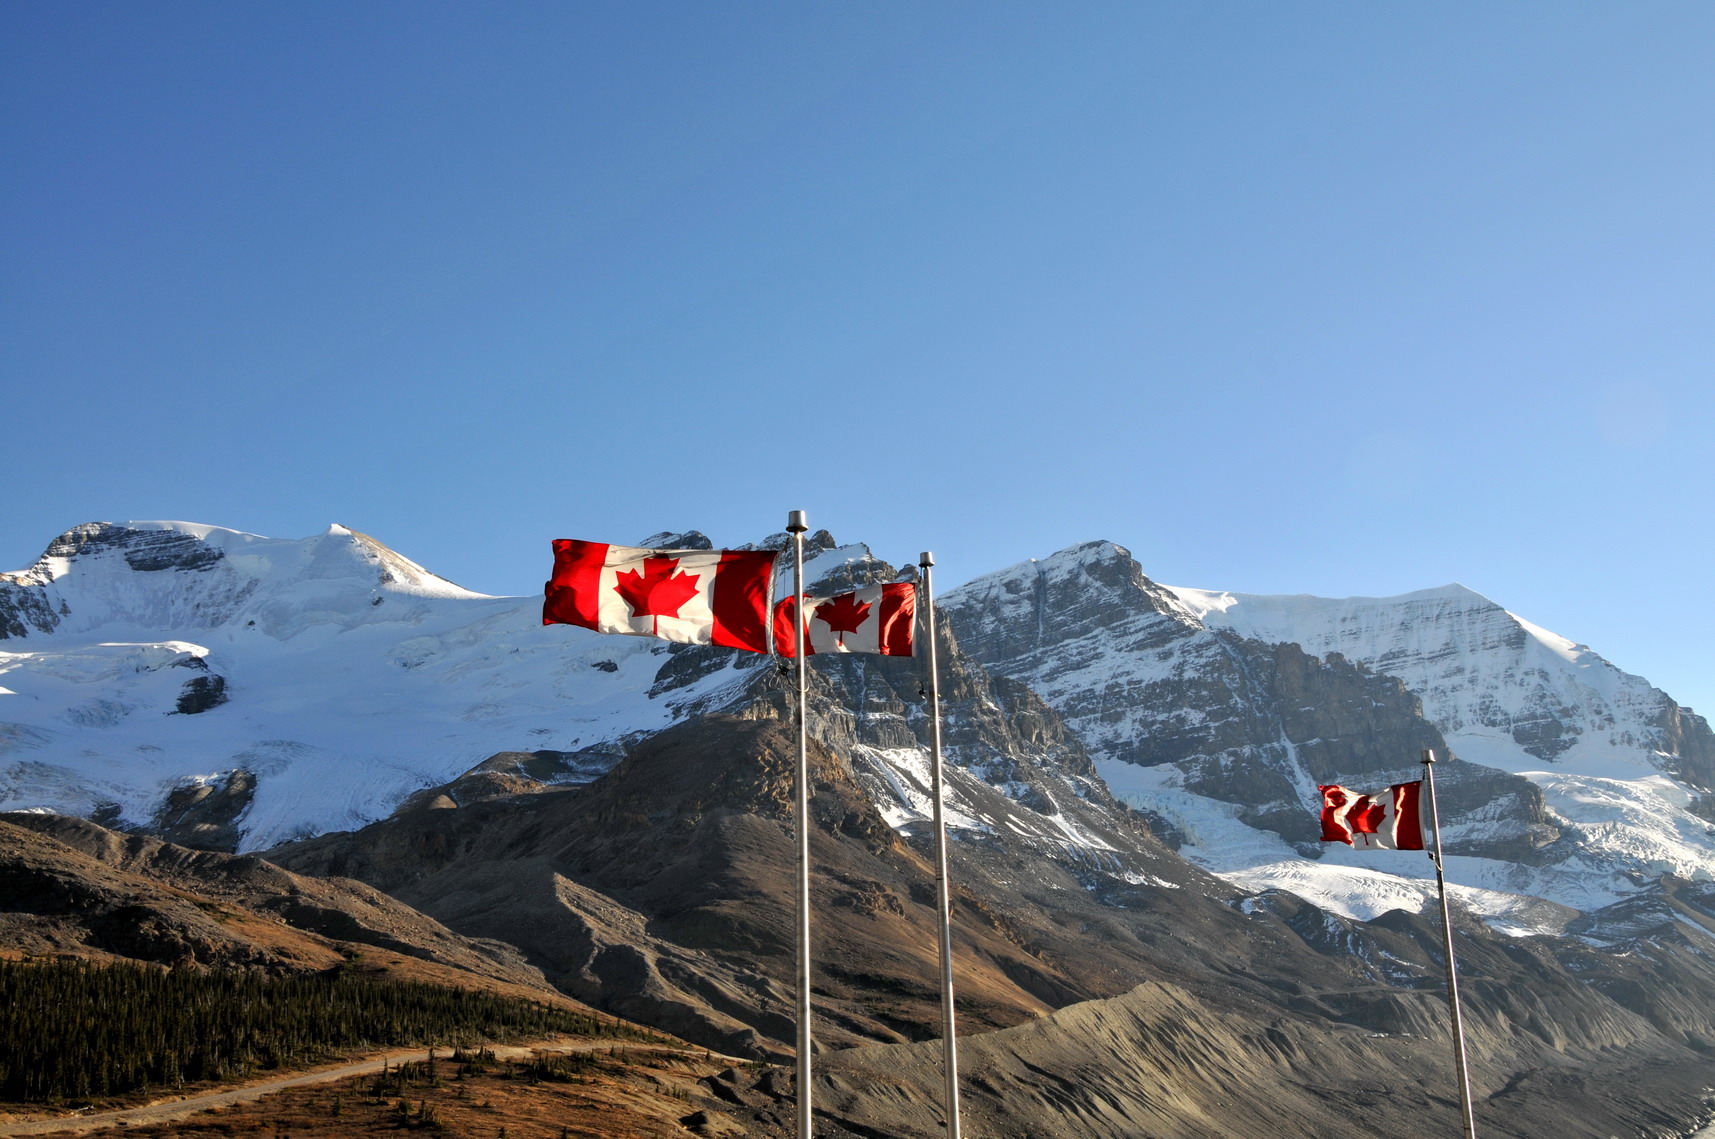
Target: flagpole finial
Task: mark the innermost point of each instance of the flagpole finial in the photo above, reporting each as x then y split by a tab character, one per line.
796	522
1428	756
926	559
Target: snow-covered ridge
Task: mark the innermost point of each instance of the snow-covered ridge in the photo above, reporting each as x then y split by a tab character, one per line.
1505	692
120	576
137	658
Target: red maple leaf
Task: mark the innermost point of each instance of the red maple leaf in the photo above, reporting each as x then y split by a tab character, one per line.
1367	817
843	614
657	592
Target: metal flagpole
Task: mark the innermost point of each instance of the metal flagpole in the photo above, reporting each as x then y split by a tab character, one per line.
943	889
1447	936
796	525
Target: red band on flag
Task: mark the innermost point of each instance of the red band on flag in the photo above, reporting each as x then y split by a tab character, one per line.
898	619
1334	801
786	626
740	602
572	594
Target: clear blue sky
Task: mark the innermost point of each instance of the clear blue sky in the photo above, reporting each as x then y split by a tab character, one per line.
1286	297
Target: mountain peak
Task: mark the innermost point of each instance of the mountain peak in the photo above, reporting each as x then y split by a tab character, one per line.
138	578
1079	579
677	540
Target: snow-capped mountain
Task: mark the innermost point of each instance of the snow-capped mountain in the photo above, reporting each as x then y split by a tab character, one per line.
197	680
143	665
239	691
1221	713
1504	692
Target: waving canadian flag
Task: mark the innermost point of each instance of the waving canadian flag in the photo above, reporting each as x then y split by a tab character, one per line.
876	619
695	597
1392	820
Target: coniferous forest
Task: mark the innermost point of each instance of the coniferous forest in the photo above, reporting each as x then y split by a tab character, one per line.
76	1030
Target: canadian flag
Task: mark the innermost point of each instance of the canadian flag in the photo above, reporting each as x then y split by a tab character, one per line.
1392	820
876	619
695	597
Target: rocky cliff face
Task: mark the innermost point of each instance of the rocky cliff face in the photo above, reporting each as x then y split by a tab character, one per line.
1142	681
631	891
1505	692
1203	707
663	892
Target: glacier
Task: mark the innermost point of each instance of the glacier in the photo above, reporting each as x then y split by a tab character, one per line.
353	677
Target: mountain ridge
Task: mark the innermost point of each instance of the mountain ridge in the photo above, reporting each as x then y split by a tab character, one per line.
1196	703
614	809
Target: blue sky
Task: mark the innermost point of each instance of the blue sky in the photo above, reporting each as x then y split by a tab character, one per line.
1286	298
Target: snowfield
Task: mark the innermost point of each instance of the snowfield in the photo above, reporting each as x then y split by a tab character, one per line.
352	678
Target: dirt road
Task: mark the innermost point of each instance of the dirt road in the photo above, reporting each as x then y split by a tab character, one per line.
165	1110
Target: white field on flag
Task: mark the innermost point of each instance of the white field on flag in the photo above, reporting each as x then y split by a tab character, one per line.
695	597
852	622
659	593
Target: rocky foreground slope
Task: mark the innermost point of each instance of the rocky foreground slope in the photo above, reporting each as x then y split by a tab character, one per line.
661	892
72	888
